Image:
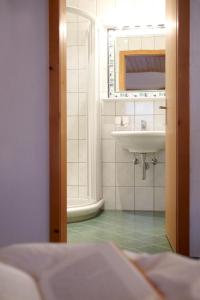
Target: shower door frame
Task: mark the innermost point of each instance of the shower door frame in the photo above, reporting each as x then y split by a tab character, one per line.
57	121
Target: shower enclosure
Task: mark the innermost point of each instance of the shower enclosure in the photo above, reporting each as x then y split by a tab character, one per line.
84	185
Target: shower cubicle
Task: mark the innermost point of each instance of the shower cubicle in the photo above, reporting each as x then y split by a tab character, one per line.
84	185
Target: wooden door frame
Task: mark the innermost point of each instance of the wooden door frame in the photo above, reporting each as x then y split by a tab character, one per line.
183	127
57	113
57	120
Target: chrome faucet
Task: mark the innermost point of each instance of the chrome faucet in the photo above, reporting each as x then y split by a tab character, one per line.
143	125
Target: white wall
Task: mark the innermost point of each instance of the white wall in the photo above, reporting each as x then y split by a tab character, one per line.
24	184
194	129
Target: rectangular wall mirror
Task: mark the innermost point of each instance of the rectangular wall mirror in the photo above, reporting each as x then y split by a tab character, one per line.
136	61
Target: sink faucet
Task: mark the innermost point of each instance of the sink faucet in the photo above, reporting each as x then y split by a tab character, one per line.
143	125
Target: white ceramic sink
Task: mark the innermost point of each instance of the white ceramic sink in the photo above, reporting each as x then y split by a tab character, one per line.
141	141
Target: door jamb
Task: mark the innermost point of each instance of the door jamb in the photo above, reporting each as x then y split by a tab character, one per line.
57	119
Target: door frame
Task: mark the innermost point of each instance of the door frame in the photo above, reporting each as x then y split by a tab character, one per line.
57	120
183	127
57	123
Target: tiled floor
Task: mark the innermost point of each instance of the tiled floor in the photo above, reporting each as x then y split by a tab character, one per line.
138	232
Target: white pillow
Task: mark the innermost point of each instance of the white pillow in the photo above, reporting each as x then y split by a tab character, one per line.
17	285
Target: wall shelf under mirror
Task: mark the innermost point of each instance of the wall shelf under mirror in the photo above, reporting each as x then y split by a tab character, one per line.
144	48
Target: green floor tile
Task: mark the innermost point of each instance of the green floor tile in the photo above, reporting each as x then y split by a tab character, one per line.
133	231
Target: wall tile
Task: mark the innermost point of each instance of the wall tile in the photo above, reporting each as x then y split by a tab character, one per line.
148	43
160	175
83	57
135	43
124	174
82	81
83	126
72	127
147	118
124	108
72	150
108	174
72	34
72	192
108	149
83	31
82	151
72	103
88	5
160	42
72	81
144	107
72	173
125	198
82	104
159	202
108	108
83	192
157	104
144	198
149	181
123	155
108	125
109	198
83	173
72	57
159	122
161	156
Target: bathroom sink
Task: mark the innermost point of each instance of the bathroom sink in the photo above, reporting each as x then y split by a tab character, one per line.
141	141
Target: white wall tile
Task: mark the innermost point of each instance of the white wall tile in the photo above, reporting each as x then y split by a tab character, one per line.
108	125
104	6
160	175
108	174
83	127
72	173
82	81
148	43
82	150
149	176
161	156
159	122
157	104
108	148
72	34
123	155
83	57
144	198
144	107
159	202
82	104
135	43
109	198
124	108
72	192
72	127
124	174
72	150
72	81
72	103
160	42
122	44
83	192
83	31
108	108
72	57
83	174
147	118
124	198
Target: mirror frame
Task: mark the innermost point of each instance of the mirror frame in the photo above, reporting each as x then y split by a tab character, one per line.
112	92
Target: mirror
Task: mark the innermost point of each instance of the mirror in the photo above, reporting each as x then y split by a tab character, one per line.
136	61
